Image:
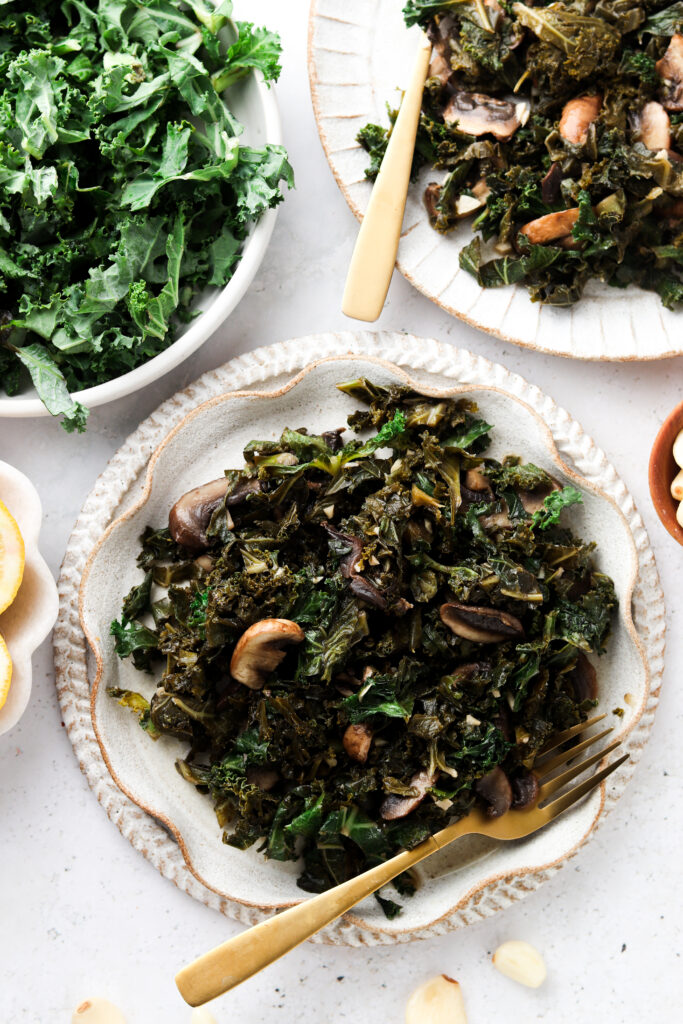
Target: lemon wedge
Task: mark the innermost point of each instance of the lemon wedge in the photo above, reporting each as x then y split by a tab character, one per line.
11	558
5	671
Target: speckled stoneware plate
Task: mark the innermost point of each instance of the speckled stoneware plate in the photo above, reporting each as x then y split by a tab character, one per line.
360	55
32	614
191	439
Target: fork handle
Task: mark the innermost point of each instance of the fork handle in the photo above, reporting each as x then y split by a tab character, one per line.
374	256
249	952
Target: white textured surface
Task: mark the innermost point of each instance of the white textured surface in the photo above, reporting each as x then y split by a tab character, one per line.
360	53
471	880
90	916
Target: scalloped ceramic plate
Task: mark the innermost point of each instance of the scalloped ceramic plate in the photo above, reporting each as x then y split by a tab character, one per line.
195	443
359	55
255	105
32	614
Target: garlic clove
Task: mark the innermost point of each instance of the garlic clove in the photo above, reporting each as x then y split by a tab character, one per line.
202	1016
677	487
521	962
679	514
97	1011
678	450
437	1001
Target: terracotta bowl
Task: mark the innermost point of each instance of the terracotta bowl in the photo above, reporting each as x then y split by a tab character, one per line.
663	469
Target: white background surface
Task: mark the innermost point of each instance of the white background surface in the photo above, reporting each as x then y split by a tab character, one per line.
82	914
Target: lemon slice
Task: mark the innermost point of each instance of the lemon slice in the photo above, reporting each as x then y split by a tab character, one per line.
11	558
5	671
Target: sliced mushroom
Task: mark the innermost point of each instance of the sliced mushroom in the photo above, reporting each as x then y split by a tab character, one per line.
333	438
264	778
652	127
495	789
358	585
532	501
479	114
552	226
189	518
357	740
464	674
577	117
259	650
393	806
482	625
584	679
524	790
440	68
670	70
475	487
550	184
431	198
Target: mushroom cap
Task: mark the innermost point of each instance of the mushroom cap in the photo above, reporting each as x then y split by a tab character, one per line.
259	650
670	70
495	789
189	518
394	806
482	625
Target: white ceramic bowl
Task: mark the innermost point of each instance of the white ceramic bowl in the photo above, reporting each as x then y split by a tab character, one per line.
255	106
32	614
266	391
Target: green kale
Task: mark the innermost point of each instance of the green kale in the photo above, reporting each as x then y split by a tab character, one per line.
124	187
361	548
553	504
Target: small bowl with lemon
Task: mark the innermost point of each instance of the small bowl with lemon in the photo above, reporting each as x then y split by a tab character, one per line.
28	594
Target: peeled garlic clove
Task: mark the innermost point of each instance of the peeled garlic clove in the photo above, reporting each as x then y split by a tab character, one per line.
202	1016
437	1001
97	1011
678	450
677	486
521	962
679	514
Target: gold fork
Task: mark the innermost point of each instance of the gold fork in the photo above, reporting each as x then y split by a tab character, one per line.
249	952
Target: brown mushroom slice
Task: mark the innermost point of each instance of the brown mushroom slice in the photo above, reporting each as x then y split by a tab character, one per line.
440	68
551	226
481	625
479	114
259	650
584	679
495	789
264	778
550	184
189	518
652	127
525	790
577	117
670	70
431	198
533	501
394	806
357	740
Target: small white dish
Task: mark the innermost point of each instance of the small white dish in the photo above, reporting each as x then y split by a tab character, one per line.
256	395
255	106
32	614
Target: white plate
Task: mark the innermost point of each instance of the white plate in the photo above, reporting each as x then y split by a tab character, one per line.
32	614
360	54
255	106
197	442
